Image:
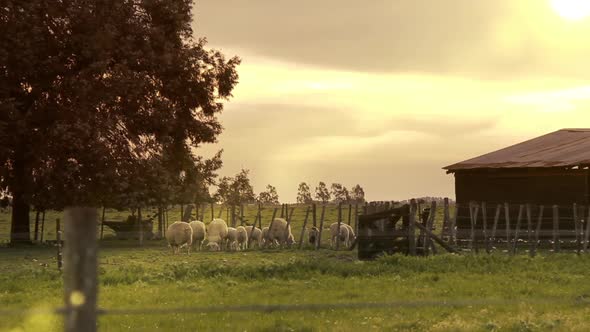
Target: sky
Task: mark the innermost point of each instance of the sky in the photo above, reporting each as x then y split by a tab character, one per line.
384	93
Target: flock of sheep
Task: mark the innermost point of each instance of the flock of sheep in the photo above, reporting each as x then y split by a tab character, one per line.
218	236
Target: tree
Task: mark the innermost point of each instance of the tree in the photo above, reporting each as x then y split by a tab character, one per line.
269	196
235	190
91	92
340	193
358	194
304	194
322	193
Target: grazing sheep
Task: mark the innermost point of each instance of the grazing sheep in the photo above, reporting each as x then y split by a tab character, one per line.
179	234
313	235
242	238
351	235
255	235
216	234
231	238
199	233
344	235
264	236
279	232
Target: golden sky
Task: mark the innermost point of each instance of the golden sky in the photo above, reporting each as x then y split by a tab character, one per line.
386	92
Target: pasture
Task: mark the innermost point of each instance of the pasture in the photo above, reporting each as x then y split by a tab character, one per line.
496	292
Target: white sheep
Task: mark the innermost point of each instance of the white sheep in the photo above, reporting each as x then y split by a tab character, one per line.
255	235
199	233
216	234
279	232
231	238
179	234
242	238
351	235
264	236
344	235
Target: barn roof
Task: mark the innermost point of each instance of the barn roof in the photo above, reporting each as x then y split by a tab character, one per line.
562	148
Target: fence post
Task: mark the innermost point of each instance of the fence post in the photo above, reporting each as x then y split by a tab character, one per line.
587	233
454	224
242	214
36	236
517	228
412	228
474	211
304	225
58	240
272	221
349	214
339	225
80	270
429	223
319	244
529	228
507	217
254	228
212	211
42	225
446	216
496	218
555	228
538	230
577	226
484	215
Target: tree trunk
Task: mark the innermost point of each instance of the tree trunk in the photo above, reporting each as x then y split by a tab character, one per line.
20	230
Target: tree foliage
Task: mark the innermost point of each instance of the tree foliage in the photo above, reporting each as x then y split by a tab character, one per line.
304	194
269	196
322	193
235	190
358	194
339	193
96	97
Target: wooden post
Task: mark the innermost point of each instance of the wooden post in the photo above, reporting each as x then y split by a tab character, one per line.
166	221
160	222
555	228
242	214
349	214
412	228
517	229
258	215
212	211
587	233
314	215
429	223
454	224
291	213
538	229
304	225
102	224
356	218
436	238
577	227
507	217
339	225
37	226
529	229
474	215
446	216
140	226
288	217
59	244
80	269
496	218
272	221
484	214
319	244
42	225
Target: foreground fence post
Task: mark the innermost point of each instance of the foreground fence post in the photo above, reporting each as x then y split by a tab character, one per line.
58	242
412	228
80	270
339	225
454	224
304	225
319	244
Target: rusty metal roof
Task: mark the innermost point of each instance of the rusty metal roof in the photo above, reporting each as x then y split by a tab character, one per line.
562	148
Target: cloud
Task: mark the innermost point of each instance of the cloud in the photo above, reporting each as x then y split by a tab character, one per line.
484	39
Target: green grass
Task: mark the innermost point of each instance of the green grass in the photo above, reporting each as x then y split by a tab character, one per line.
151	277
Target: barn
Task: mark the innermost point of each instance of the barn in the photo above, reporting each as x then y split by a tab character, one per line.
551	171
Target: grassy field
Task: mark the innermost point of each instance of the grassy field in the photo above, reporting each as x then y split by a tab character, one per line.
151	277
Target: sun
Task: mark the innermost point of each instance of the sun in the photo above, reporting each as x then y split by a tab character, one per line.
572	10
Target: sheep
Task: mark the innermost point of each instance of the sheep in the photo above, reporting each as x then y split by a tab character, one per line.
313	236
255	235
351	235
242	238
199	233
264	236
279	232
231	238
179	234
344	235
216	234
